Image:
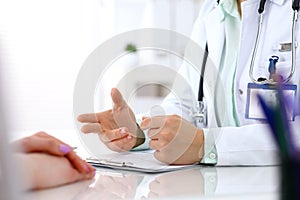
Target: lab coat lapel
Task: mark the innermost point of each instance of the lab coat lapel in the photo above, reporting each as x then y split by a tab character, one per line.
248	33
215	34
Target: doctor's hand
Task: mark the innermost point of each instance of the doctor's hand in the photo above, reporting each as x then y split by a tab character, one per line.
116	128
175	140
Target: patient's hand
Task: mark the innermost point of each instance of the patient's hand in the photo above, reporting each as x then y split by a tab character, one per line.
44	143
47	162
42	170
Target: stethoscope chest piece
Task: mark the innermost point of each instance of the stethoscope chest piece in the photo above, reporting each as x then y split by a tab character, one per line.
200	114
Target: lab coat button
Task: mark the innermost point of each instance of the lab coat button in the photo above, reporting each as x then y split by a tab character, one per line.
241	91
212	156
212	179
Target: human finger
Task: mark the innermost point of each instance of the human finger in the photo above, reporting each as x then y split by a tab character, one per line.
49	176
43	143
117	99
155	144
75	175
144	117
154	133
79	164
115	134
162	156
88	118
124	144
73	158
153	122
92	128
64	149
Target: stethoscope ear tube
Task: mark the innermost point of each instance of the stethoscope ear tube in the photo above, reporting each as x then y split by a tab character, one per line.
261	7
296	5
204	61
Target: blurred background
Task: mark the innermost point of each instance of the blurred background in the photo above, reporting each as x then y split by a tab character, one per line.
44	44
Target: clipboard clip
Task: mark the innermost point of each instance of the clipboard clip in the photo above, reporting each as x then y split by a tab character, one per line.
109	162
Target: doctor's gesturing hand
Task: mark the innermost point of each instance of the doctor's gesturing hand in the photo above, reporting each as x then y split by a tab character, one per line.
175	140
117	127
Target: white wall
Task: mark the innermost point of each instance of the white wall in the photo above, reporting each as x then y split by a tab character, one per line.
44	43
173	15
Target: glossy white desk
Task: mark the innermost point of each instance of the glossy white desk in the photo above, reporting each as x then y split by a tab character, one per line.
234	183
197	183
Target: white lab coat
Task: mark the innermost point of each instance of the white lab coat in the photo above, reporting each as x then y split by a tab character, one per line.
251	143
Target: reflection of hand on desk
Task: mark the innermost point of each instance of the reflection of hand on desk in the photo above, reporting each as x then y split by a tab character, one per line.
181	183
65	192
112	185
215	183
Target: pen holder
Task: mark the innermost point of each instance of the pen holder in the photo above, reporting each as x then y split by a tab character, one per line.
290	179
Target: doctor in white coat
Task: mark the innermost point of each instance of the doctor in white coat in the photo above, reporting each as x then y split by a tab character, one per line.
229	29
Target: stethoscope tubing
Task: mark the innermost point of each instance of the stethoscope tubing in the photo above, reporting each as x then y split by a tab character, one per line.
295	7
261	8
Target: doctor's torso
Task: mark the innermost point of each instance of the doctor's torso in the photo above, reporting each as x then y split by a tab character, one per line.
276	30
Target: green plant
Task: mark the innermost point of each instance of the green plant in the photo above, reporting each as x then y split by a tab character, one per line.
130	48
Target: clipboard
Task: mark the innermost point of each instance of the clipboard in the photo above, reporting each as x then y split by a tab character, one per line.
139	161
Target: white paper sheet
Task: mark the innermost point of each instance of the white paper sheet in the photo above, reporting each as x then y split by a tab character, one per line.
142	161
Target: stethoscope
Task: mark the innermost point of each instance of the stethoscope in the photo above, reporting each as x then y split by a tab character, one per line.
200	113
274	59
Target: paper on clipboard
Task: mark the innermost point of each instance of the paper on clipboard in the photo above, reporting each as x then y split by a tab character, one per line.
141	161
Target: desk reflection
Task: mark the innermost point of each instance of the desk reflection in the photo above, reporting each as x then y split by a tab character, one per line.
196	182
112	185
179	184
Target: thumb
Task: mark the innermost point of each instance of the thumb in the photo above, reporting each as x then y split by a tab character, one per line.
117	99
145	117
